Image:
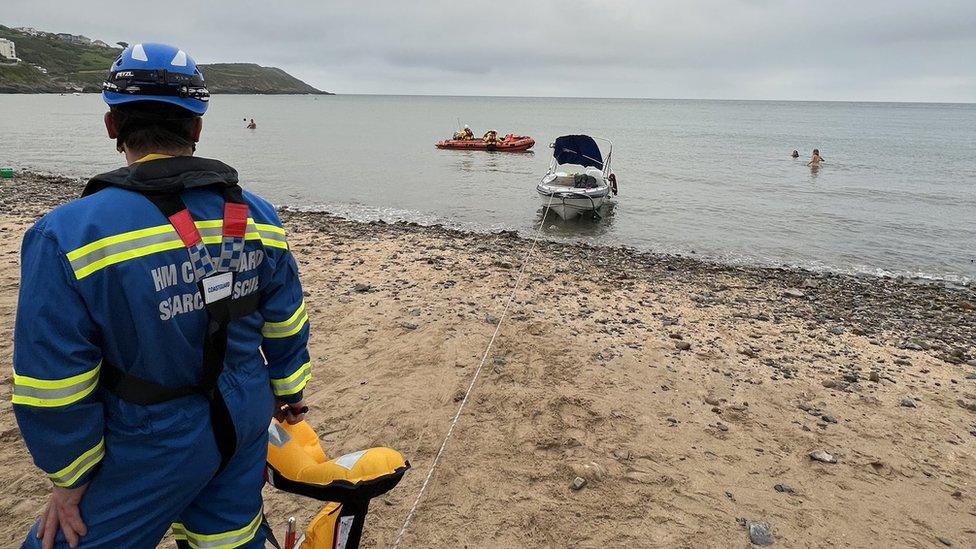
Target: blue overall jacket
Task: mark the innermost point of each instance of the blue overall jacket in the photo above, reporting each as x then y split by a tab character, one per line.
106	279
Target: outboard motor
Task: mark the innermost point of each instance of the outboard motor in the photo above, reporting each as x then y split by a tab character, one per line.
298	465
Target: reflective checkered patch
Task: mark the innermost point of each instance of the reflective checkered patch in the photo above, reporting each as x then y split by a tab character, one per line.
200	258
231	250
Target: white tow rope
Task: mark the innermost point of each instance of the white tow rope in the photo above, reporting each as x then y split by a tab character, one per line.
474	379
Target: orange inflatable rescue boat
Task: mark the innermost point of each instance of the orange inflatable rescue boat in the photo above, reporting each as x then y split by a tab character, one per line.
511	143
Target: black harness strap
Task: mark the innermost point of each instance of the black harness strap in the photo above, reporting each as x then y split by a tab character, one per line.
220	313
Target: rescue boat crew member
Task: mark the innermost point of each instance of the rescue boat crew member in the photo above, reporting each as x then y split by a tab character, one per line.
161	324
468	134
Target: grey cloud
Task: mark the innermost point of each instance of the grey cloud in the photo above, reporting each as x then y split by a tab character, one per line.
861	50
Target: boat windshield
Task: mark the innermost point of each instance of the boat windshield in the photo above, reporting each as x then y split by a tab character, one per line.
577	149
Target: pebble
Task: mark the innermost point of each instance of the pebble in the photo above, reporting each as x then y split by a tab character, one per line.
362	287
908	403
836	384
971	406
875	377
837	330
590	472
682	345
578	483
822	456
408	325
760	534
783	488
623	455
828	418
944	541
794	293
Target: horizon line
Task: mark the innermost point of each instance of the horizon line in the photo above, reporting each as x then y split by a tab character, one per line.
910	102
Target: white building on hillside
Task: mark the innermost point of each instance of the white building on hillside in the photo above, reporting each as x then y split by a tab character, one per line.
7	50
30	30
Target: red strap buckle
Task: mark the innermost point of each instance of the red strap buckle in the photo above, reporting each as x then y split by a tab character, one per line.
235	220
182	221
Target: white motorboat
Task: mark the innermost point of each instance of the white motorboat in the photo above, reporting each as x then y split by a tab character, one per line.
579	179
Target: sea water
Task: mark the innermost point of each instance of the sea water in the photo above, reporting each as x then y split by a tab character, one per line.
896	196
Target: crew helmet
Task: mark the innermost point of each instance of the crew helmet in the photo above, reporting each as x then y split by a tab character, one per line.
156	72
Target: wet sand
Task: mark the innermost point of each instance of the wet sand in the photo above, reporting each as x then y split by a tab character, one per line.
683	392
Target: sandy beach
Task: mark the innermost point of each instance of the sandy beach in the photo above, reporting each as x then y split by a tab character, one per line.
688	395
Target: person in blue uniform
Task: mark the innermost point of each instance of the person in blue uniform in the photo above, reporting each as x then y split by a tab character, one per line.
161	324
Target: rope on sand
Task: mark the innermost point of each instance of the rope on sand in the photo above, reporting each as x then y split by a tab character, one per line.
474	379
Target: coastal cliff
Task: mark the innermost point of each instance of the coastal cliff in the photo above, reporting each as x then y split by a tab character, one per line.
52	63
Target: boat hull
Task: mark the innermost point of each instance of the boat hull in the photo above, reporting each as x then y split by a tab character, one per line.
517	144
570	203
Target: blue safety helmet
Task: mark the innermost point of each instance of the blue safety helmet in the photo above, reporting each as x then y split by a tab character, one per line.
156	72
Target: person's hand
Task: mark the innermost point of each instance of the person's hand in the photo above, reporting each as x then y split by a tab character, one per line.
291	413
61	513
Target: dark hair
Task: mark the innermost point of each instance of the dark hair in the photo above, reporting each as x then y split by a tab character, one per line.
151	125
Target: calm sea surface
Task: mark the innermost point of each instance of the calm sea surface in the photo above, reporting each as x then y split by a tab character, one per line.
896	196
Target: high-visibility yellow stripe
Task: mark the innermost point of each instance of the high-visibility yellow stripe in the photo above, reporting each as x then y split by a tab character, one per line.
289	327
173	244
160	229
53	393
127	255
77	468
275	243
223	540
294	316
124	237
293	383
269	228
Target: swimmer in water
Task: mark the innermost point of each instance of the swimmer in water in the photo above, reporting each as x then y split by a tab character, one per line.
252	125
796	154
816	159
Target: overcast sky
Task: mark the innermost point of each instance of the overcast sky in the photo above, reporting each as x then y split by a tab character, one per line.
881	50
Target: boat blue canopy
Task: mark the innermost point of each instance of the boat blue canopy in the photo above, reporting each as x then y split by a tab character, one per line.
577	149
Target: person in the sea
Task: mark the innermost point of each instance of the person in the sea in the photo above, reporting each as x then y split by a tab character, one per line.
252	125
796	154
815	159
